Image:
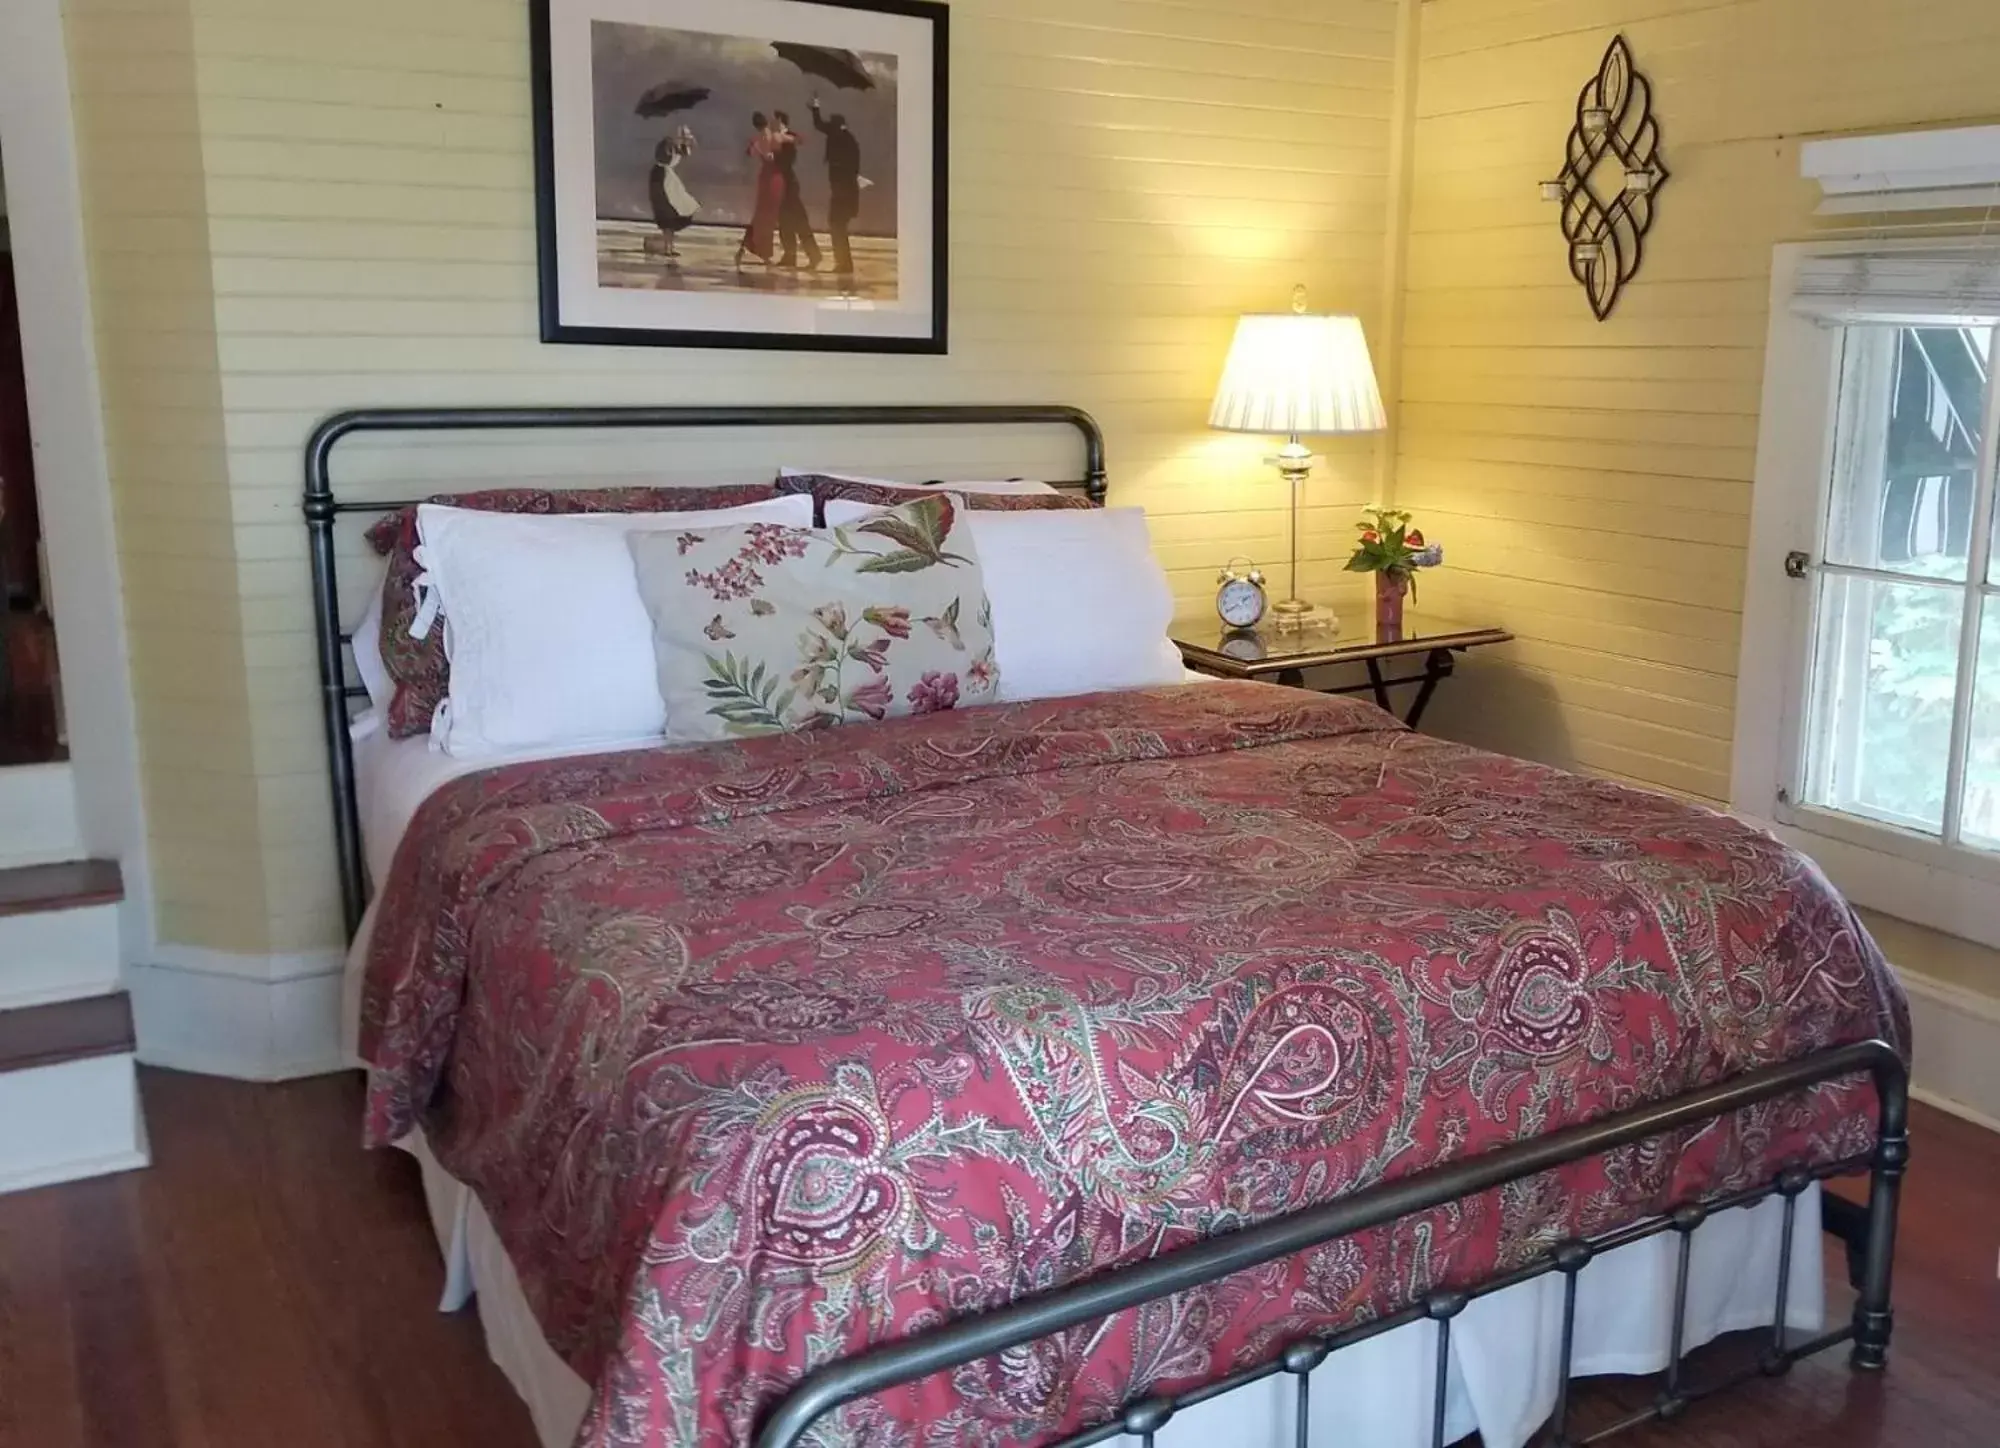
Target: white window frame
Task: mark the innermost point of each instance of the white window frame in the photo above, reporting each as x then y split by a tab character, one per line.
1899	872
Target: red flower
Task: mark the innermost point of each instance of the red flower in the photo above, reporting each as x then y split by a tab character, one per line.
934	693
1369	535
1415	538
875	655
872	698
773	543
895	622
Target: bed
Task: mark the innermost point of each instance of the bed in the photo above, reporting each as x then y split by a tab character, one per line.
1044	1072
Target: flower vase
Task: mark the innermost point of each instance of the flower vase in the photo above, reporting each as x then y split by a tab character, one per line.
1390	589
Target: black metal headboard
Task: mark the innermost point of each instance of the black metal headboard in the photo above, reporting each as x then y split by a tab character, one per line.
322	508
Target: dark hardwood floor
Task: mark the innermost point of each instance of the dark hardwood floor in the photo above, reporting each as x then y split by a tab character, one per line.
268	1282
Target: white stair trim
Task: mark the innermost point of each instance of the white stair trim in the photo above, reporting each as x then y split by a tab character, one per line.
69	1121
38	816
58	954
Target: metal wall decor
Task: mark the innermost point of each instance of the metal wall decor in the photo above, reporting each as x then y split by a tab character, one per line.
1610	175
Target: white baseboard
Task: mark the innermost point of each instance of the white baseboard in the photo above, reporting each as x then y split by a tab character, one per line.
1957	1040
64	1123
256	1018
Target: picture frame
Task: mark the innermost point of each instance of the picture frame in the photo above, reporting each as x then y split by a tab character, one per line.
768	174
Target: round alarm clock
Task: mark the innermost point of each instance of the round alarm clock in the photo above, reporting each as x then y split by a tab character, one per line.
1240	599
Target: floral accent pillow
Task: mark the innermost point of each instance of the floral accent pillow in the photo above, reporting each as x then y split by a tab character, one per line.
825	487
418	668
760	629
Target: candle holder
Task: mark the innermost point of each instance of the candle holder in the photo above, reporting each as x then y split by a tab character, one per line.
1607	233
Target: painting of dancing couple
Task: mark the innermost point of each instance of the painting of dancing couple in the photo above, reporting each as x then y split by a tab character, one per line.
750	171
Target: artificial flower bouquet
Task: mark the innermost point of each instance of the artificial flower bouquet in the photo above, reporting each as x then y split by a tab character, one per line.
1389	545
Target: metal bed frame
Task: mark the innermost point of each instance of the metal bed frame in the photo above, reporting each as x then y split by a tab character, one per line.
1869	1233
322	509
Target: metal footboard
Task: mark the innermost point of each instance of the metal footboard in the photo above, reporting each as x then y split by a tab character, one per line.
1871	1238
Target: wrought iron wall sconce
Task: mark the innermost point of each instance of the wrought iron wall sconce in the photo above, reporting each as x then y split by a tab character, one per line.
1605	217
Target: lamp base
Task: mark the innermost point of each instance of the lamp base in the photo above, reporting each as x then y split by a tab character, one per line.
1296	615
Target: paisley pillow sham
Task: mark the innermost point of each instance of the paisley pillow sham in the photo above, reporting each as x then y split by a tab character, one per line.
881	493
418	668
763	629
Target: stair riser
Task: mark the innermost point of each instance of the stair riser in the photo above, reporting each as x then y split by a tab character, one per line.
38	821
67	1122
58	955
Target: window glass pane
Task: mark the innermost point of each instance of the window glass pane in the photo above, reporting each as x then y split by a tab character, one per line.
1980	822
1906	453
1879	725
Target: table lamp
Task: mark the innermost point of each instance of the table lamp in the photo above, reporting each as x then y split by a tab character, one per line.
1291	373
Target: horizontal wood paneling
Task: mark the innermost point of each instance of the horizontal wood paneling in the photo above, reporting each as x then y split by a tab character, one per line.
1591	481
354	182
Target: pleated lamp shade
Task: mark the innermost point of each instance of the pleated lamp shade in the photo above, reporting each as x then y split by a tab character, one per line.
1291	373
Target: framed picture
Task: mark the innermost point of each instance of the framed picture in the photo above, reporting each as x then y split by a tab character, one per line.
742	173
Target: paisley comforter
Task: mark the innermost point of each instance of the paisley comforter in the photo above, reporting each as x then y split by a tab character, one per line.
760	1053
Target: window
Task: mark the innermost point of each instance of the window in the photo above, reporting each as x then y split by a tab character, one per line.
1868	694
1902	722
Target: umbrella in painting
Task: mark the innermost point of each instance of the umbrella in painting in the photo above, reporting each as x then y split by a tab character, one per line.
840	68
670	96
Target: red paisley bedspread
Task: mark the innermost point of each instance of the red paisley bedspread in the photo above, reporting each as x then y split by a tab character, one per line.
762	1052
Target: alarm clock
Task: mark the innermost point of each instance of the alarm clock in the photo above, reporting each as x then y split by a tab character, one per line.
1240	600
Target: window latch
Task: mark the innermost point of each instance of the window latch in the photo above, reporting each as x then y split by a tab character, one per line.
1797	564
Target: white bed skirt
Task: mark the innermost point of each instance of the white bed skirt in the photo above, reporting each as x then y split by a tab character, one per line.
1504	1347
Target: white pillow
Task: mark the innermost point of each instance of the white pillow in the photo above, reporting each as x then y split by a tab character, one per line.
550	645
1004	485
367	646
366	641
1079	601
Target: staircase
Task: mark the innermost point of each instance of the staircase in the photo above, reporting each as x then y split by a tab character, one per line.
69	1103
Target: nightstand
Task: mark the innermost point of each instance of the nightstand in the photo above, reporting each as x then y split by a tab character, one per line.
1421	655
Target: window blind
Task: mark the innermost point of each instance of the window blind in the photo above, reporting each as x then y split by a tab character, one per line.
1908	288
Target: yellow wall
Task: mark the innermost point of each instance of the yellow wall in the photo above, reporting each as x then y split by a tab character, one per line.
1592	481
145	209
296	207
1127	176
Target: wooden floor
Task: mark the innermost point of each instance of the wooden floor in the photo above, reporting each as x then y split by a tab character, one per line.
269	1283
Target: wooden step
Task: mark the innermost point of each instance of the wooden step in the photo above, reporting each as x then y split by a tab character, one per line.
32	1037
76	885
69	1099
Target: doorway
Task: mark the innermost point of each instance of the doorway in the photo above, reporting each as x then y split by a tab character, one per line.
31	722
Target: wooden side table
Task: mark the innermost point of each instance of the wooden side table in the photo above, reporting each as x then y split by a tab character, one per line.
1209	648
